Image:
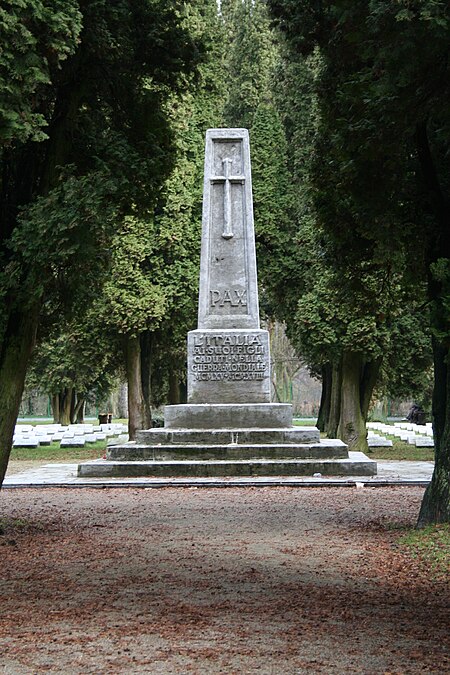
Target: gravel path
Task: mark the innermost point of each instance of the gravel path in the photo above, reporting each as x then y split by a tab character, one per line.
273	580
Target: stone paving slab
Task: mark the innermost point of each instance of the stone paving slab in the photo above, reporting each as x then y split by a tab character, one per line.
390	472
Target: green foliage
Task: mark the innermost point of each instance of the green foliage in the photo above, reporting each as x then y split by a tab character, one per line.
352	178
407	371
250	59
381	171
77	217
440	271
108	146
54	453
152	286
134	295
86	141
80	356
272	197
35	39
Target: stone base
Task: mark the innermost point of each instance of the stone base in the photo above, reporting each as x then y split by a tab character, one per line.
357	464
233	451
220	440
234	436
228	416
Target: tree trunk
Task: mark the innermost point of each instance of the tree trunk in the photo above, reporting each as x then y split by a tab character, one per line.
55	408
72	396
78	413
146	343
325	398
358	381
174	388
15	352
183	391
335	401
435	506
122	402
370	374
352	424
65	406
137	409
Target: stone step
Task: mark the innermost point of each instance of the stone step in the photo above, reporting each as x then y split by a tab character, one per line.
330	449
356	465
295	435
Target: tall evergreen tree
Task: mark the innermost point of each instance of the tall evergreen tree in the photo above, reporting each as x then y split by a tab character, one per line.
85	140
382	169
252	56
151	294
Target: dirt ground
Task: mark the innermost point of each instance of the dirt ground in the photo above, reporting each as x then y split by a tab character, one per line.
267	581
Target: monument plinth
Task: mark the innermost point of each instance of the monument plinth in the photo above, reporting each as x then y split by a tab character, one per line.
228	427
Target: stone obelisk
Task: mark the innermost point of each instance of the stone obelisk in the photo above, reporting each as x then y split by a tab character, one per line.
228	354
228	427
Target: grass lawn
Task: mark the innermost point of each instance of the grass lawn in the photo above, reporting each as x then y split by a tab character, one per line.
431	548
53	453
402	451
305	422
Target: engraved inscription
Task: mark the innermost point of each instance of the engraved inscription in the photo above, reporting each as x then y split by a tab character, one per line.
232	297
229	358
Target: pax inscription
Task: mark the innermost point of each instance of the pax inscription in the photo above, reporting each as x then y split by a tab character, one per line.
234	297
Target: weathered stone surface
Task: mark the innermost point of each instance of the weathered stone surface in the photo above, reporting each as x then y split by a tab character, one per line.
174	452
227	366
26	442
358	465
226	436
375	441
228	356
228	295
424	442
228	416
74	442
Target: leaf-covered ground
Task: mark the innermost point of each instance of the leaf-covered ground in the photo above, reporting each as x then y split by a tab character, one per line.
273	580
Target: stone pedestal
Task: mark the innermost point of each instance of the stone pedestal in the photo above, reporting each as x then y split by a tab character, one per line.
228	366
228	416
229	427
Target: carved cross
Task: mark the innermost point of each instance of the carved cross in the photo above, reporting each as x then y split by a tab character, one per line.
227	180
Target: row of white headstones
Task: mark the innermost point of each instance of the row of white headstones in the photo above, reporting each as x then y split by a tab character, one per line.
71	436
77	435
419	435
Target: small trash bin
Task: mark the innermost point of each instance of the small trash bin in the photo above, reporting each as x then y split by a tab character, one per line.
103	418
